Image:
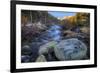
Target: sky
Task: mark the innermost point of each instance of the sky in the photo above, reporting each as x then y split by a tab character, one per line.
60	14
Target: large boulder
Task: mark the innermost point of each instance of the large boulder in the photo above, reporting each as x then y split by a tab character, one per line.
71	49
48	47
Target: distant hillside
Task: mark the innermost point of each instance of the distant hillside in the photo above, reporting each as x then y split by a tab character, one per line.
80	19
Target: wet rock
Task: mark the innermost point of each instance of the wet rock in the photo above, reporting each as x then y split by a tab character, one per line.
51	56
76	29
41	58
35	48
85	30
47	48
71	49
48	51
25	58
85	37
40	26
69	34
26	50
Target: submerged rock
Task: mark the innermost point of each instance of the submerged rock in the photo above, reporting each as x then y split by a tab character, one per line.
71	49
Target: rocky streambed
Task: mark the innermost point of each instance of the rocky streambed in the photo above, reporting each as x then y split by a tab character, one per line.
56	44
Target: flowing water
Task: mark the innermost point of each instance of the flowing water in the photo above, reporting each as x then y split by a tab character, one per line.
52	34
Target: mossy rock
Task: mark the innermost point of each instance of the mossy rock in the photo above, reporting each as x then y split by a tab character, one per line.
48	47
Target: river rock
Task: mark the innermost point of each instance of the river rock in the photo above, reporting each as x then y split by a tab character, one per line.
40	26
69	34
41	58
85	30
71	49
25	58
35	48
26	50
45	49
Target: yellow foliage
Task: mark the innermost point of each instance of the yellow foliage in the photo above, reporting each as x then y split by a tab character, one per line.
78	19
71	20
24	20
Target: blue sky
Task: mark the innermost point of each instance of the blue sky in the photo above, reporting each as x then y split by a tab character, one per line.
60	14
